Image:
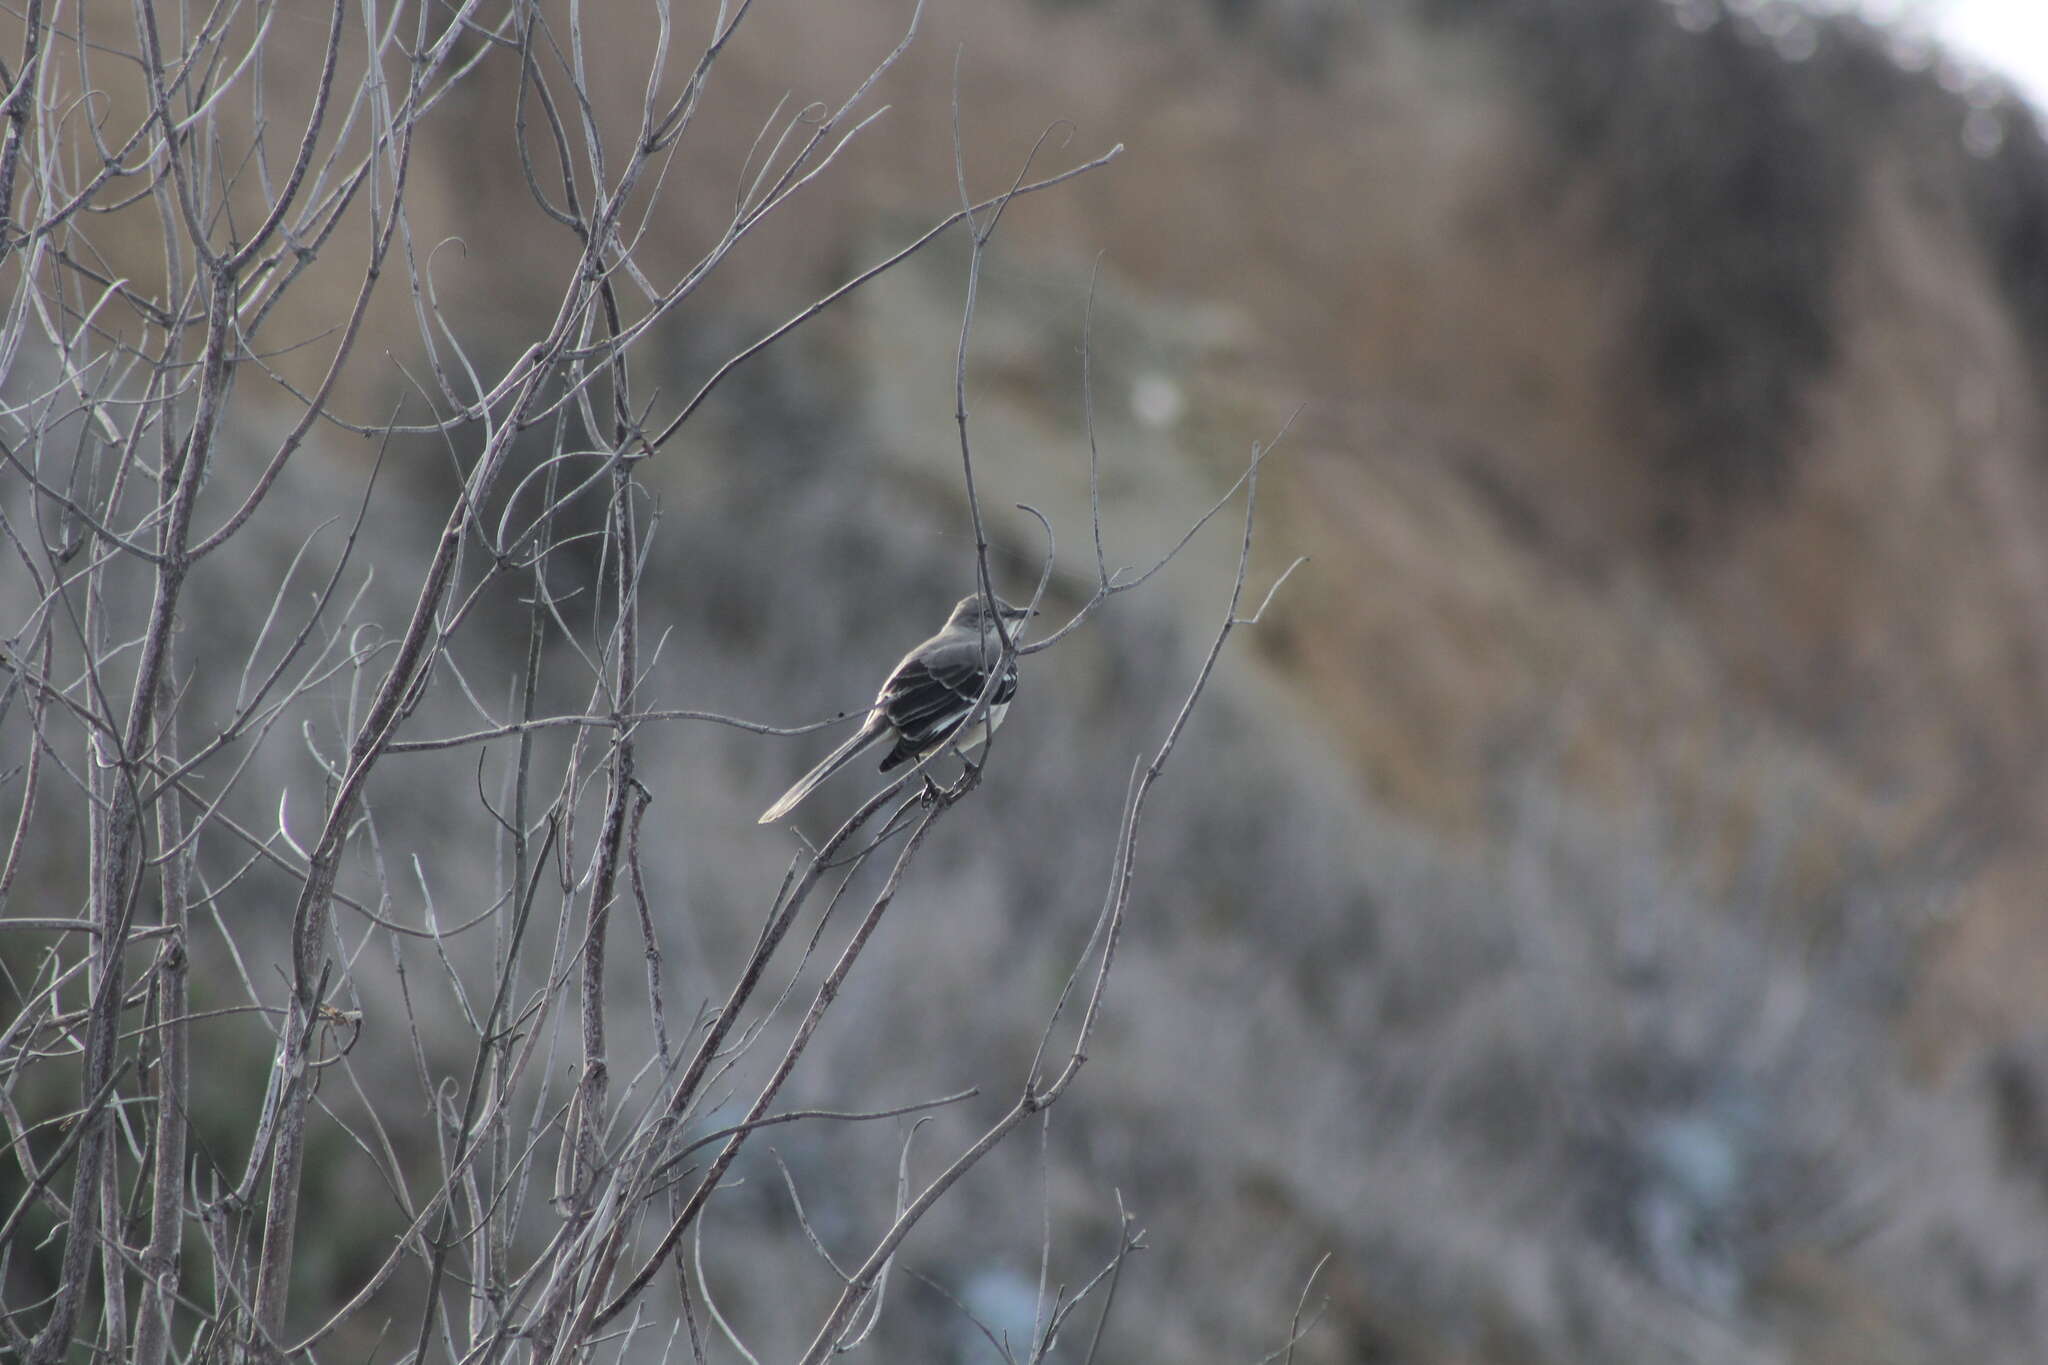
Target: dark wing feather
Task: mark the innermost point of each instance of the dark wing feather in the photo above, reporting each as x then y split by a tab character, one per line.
928	697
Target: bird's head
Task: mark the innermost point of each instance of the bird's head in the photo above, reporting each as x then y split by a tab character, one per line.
971	613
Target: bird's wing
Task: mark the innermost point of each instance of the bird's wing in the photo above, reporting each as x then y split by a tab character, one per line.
934	690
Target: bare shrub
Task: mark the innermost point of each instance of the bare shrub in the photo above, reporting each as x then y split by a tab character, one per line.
534	1182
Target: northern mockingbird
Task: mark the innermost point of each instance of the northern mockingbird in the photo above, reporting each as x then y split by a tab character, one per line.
926	698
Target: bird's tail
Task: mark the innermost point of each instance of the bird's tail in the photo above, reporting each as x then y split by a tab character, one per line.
868	736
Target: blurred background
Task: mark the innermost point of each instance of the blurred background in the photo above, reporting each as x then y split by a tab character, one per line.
1603	905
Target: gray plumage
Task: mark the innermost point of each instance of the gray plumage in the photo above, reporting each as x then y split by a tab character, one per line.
930	692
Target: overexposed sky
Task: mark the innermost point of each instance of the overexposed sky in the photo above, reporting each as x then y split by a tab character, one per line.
2009	37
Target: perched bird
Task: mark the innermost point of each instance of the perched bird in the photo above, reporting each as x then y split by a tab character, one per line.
927	697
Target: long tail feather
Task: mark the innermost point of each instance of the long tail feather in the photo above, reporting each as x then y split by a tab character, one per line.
830	764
